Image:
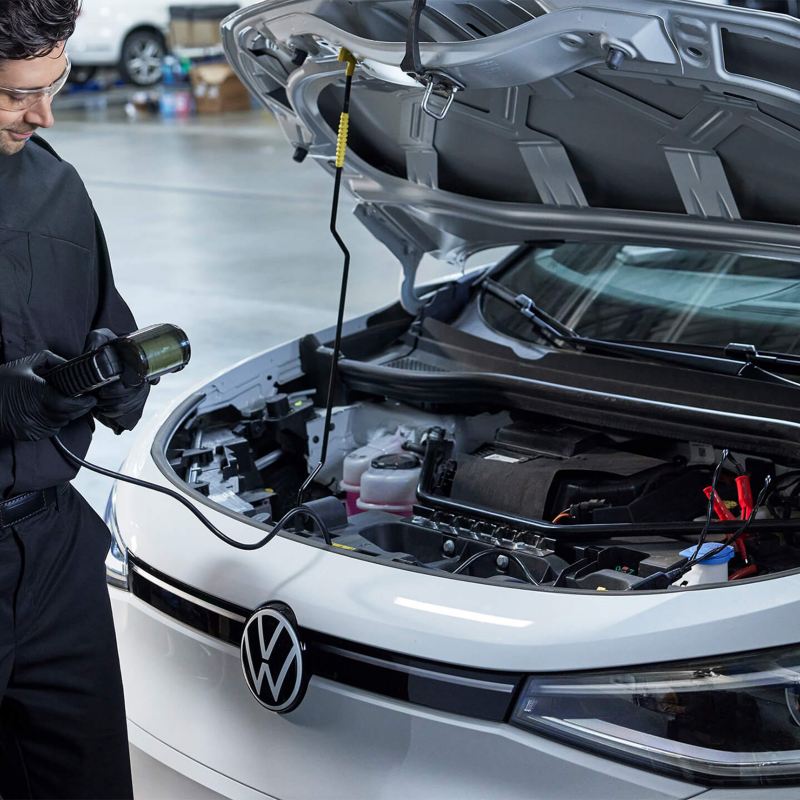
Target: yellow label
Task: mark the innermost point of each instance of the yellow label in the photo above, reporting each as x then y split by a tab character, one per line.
341	142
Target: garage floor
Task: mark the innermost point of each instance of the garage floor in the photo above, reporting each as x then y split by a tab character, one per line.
212	226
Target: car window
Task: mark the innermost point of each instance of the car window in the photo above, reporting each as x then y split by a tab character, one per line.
656	294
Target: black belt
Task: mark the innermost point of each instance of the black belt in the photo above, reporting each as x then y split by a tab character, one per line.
28	505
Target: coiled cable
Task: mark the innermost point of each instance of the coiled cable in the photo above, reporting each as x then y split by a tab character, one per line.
184	501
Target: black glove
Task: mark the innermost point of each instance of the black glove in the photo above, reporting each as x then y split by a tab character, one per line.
116	400
30	409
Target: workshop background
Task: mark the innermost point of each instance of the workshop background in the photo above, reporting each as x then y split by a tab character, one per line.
211	224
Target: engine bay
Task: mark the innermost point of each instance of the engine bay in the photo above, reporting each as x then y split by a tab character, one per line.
505	497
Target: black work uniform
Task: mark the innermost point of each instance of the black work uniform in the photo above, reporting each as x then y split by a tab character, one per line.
62	717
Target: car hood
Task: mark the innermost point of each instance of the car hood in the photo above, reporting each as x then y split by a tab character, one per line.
661	121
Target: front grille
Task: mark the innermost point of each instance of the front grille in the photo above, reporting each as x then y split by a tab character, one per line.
480	694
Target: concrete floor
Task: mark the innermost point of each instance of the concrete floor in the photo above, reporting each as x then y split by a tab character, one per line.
213	227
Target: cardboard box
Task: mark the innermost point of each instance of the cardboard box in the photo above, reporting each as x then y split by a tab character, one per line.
181	34
206	32
217	90
197	26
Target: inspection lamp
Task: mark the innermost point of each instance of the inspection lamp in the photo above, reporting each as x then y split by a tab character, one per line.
144	355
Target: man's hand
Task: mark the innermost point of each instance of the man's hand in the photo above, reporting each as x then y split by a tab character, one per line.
30	409
115	400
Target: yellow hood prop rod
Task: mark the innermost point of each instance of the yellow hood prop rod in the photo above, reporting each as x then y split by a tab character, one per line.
341	152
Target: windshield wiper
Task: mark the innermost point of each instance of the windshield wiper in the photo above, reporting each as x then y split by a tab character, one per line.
742	360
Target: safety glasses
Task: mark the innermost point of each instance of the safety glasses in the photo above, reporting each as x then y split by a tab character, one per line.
23	99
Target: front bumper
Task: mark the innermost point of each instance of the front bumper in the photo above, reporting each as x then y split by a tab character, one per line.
160	771
186	691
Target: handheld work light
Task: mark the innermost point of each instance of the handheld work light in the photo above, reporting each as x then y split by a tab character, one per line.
144	355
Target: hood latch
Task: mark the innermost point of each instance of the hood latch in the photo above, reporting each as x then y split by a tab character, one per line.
440	88
440	91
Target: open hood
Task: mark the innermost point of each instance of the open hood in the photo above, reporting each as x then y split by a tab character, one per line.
668	121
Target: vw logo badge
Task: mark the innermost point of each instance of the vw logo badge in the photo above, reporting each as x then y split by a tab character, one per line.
272	658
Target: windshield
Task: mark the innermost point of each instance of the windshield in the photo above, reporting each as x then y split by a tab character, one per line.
656	294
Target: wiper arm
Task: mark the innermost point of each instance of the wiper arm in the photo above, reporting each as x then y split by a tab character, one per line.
785	362
552	330
742	360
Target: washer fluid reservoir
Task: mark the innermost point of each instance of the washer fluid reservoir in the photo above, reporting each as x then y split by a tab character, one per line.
710	570
390	484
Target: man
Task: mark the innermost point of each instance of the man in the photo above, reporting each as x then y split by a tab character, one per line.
62	717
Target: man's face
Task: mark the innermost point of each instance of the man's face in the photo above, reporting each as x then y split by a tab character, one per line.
16	127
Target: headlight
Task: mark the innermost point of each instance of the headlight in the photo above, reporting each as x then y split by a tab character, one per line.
728	720
117	558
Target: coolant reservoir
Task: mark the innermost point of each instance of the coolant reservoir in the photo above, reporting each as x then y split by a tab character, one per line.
711	570
358	462
390	484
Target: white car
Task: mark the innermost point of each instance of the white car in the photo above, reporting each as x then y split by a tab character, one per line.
129	35
552	551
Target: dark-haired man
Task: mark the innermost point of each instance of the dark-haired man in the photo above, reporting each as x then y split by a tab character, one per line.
62	717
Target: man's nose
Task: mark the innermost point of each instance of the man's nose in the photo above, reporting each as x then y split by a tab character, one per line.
41	114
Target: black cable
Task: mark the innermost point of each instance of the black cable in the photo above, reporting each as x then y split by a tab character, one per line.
782	483
412	61
496	551
736	463
789	481
695	559
279	526
300	509
337	344
663	580
793	475
710	508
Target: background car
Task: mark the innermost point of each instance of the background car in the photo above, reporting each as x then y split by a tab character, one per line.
133	36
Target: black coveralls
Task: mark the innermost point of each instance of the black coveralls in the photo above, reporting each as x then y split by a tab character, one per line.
62	717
